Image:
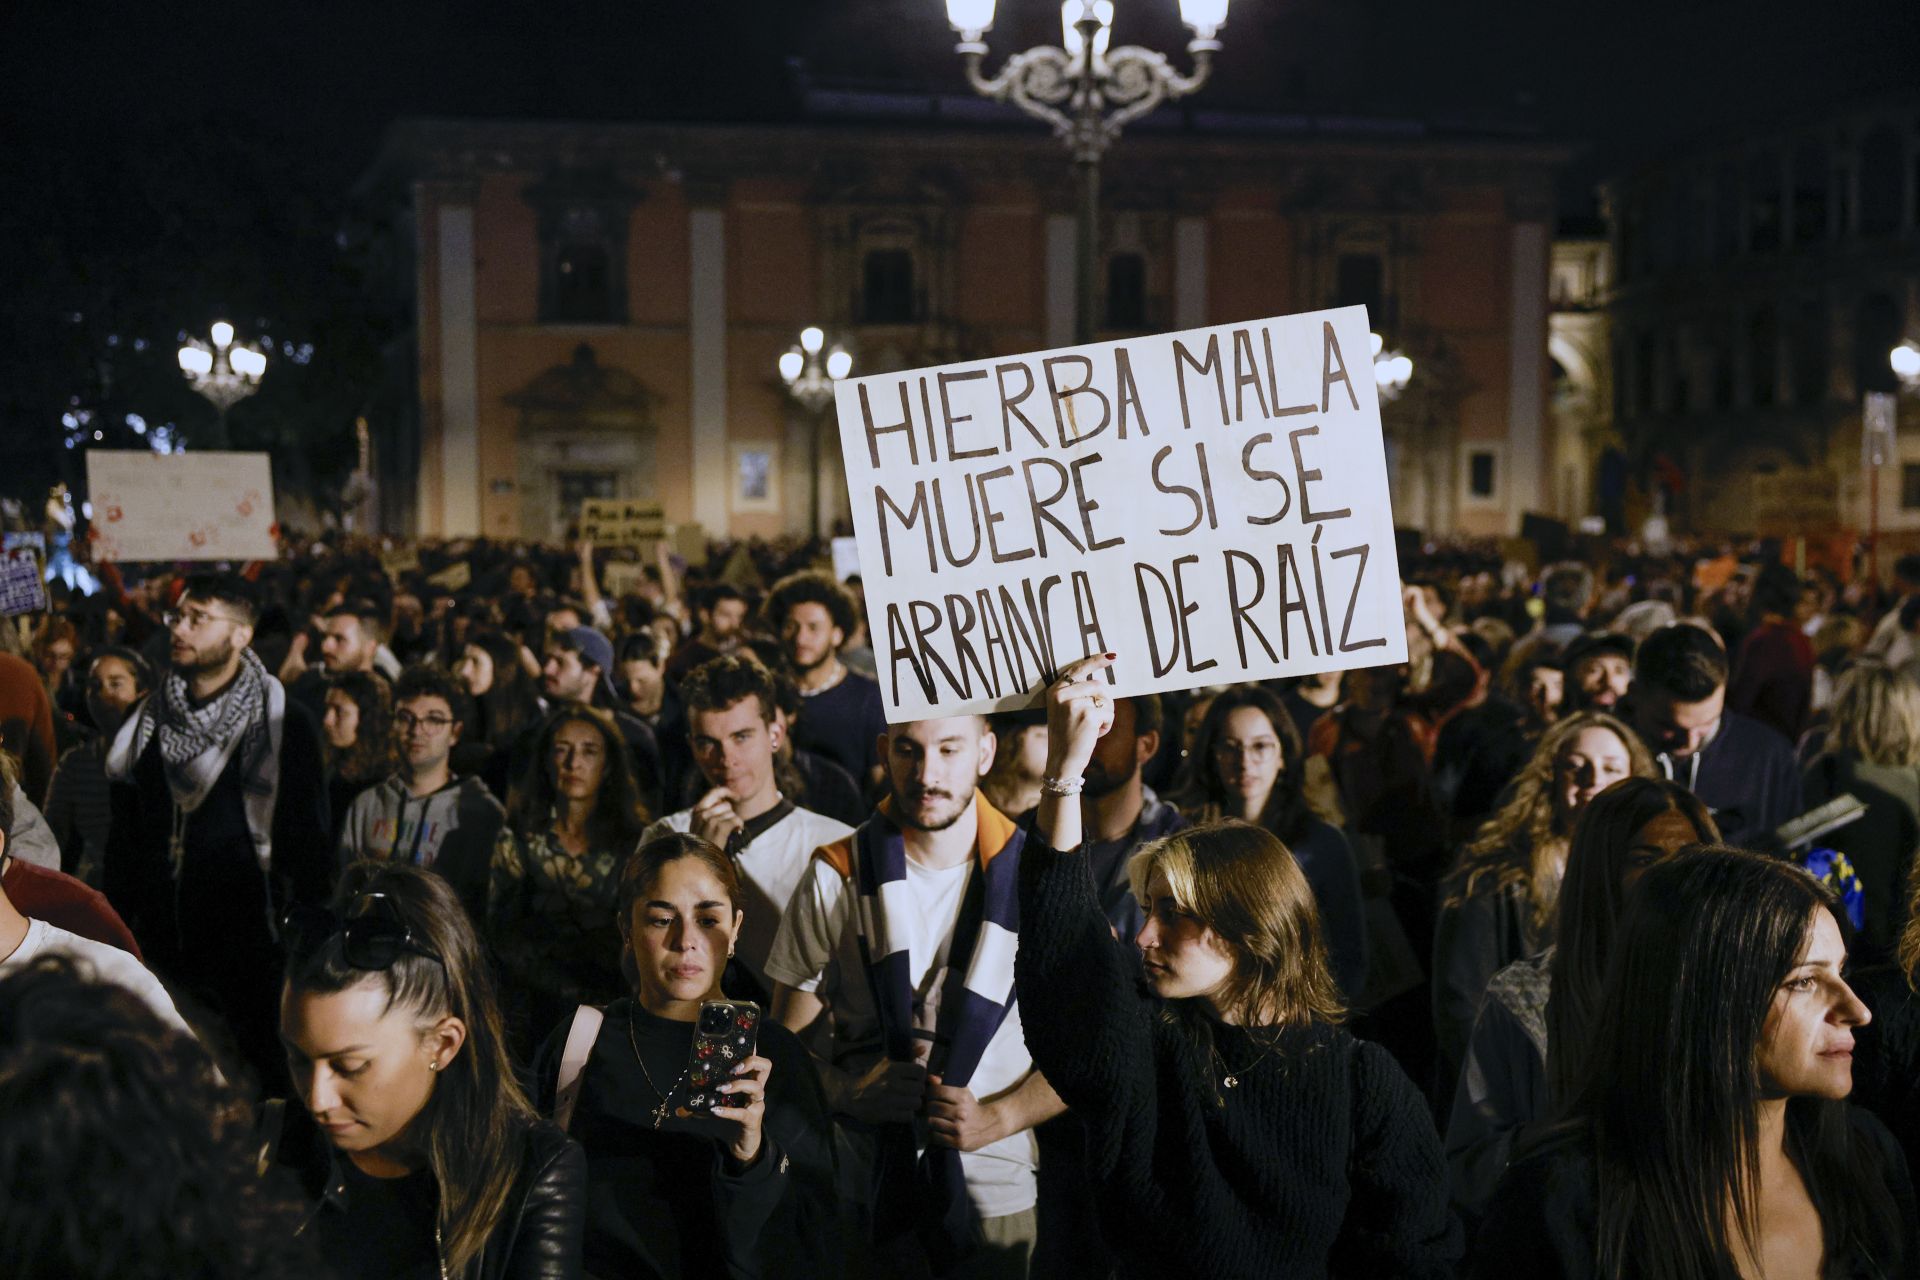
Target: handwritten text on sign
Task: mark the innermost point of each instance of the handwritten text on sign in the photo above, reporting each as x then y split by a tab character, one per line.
1210	505
612	522
183	506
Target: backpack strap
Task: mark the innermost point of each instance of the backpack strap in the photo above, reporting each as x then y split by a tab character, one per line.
573	1061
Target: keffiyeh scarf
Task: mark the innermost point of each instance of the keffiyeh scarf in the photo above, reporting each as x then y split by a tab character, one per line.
245	719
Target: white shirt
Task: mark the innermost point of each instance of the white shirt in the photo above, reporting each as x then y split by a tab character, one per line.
98	961
770	869
818	951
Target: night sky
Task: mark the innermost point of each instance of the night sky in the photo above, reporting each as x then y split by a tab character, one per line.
164	163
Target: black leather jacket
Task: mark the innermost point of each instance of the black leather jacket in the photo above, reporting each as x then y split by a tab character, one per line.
539	1236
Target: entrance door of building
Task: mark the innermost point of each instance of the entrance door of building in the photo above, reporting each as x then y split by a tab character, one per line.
571	488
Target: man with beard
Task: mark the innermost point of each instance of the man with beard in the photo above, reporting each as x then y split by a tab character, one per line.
929	1066
841	714
721	612
1121	811
1599	672
351	637
219	818
78	808
735	734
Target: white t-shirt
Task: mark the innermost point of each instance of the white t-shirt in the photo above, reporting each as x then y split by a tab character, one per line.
99	961
770	869
818	950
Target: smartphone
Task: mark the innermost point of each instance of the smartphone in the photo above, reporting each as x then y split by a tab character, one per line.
724	1035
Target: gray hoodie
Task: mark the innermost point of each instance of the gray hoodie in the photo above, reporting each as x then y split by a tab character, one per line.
451	831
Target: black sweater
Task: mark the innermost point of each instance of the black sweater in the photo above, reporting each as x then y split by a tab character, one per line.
1541	1224
1322	1162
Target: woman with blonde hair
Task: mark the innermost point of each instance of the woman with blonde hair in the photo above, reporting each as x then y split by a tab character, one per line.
423	1157
1498	904
1872	752
1234	1126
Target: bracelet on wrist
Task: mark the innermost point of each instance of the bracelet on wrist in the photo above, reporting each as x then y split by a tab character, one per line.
1062	786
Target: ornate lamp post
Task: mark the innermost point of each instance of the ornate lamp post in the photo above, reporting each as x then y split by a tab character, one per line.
810	370
1392	370
225	373
1088	93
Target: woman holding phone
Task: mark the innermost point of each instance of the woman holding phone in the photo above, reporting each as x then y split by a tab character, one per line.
673	1191
1234	1127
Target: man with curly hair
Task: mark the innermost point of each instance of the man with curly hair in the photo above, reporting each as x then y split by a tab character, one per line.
841	715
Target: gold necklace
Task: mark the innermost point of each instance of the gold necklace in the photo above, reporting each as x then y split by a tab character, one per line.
1231	1079
659	1112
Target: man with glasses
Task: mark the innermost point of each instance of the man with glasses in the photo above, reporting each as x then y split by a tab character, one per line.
423	815
219	817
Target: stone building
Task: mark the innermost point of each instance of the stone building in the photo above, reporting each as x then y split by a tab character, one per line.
599	308
1760	284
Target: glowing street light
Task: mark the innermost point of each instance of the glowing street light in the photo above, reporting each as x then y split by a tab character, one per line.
810	369
1905	360
1392	370
1088	92
224	373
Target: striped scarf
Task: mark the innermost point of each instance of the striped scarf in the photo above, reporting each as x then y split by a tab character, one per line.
975	1000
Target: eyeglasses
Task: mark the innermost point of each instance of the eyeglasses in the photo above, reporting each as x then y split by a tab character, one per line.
405	720
372	934
196	619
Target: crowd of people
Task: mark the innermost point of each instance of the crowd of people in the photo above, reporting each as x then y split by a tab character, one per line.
368	915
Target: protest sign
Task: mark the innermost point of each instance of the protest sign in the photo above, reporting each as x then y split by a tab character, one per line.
23	584
846	557
455	577
182	506
1210	505
615	522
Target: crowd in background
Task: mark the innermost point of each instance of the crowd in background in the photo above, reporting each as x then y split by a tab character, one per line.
473	801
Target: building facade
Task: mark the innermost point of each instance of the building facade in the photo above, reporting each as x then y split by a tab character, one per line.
1760	284
600	307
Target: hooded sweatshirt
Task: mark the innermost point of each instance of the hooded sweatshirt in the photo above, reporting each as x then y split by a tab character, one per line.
451	831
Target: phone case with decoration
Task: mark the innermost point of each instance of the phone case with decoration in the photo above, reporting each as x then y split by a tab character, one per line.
724	1036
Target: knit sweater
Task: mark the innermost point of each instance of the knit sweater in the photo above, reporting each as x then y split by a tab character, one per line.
1322	1162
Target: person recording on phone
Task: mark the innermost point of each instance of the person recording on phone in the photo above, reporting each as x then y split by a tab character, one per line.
698	1164
930	1066
1234	1126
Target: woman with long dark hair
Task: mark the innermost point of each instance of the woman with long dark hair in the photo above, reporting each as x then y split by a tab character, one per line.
573	816
748	1191
1234	1126
506	703
1497	906
1708	1135
1249	764
1532	1026
433	1163
357	738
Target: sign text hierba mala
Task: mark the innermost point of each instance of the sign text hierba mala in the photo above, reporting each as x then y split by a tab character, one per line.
1210	505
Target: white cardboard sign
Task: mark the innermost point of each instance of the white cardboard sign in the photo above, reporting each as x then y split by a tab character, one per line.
182	506
1210	505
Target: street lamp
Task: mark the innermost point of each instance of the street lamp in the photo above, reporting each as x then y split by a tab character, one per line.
224	373
1905	360
810	370
1392	370
1088	93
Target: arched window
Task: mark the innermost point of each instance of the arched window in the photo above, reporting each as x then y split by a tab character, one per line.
1809	352
1127	291
1880	177
1809	192
1763	202
1876	332
887	291
1763	357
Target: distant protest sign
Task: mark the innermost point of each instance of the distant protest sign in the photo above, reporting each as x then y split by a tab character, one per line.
23	587
614	522
182	506
1210	505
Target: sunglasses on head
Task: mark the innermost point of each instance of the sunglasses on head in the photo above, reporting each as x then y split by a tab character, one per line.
373	934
